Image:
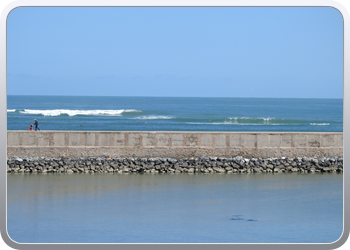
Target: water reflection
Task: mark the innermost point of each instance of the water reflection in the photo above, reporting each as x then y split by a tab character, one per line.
175	208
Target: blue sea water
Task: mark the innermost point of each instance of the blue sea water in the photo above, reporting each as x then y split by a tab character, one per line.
175	208
174	113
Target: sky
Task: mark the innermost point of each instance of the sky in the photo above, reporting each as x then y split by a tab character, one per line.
288	52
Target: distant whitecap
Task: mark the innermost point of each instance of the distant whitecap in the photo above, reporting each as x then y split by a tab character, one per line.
69	112
152	117
319	124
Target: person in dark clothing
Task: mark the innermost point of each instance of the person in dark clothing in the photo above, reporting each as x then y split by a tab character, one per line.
36	124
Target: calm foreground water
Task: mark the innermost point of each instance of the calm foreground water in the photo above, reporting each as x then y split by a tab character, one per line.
175	113
175	208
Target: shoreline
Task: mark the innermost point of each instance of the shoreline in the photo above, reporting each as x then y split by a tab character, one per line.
237	164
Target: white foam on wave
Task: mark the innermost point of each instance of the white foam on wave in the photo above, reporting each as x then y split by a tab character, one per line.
319	124
251	118
69	112
11	110
152	117
244	121
239	124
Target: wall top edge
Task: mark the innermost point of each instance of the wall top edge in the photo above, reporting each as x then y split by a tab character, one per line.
169	132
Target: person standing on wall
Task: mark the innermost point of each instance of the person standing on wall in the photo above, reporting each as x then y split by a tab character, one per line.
36	124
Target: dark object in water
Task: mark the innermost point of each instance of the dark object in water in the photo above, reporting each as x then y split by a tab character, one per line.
239	217
236	218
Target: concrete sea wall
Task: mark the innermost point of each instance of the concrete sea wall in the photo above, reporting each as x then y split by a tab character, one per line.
177	144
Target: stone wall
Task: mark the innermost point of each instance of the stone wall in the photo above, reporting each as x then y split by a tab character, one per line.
237	164
70	144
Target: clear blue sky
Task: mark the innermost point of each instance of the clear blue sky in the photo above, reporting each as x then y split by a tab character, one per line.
153	51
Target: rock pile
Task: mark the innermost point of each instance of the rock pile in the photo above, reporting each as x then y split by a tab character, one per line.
237	164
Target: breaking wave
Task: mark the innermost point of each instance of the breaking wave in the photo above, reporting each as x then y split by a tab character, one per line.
152	117
319	124
244	121
69	112
261	121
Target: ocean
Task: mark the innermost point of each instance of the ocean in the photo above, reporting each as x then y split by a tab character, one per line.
97	113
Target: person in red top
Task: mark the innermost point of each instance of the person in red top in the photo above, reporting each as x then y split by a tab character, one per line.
31	127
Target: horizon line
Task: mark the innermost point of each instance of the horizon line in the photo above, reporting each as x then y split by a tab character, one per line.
187	96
